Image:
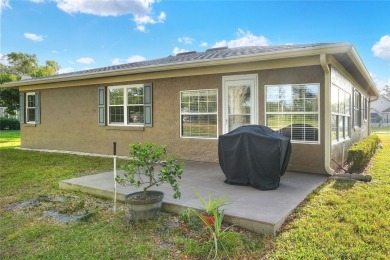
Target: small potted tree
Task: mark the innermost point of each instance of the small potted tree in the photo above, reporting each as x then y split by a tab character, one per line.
149	166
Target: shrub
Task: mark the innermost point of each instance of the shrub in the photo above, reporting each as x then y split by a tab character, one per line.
360	153
9	124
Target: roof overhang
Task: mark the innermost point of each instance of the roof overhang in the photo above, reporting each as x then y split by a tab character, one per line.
349	59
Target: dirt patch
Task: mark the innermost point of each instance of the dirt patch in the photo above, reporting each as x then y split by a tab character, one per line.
60	209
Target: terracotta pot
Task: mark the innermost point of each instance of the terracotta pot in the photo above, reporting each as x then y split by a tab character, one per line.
208	219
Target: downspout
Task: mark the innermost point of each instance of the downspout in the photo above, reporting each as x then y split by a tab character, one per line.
327	114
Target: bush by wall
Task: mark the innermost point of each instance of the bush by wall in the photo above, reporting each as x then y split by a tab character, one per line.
9	124
360	153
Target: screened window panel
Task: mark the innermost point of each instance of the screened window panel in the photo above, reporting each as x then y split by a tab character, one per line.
30	108
341	116
334	127
135	96
335	99
30	114
116	96
116	114
346	127
199	110
135	114
293	111
347	103
340	127
199	125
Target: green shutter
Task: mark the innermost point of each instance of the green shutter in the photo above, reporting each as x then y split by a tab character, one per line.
102	106
37	107
22	99
148	105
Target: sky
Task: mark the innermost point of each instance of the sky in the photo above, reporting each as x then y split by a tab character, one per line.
85	34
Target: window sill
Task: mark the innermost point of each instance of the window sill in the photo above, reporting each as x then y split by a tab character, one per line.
29	125
125	128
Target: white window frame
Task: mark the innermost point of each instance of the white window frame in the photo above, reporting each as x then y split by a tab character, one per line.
346	131
125	105
28	107
357	109
226	80
198	113
297	113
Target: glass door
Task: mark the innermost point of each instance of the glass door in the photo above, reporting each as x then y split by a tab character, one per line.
240	106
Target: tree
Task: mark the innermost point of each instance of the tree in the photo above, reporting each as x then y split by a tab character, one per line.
22	65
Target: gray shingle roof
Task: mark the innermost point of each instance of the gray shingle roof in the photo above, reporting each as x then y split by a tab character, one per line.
208	55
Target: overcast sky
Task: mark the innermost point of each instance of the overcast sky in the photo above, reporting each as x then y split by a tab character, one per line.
83	34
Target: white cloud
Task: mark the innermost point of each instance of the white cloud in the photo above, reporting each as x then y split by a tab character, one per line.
204	44
86	60
185	40
381	49
244	38
116	61
106	7
178	50
142	20
34	37
66	70
135	58
4	4
37	1
141	9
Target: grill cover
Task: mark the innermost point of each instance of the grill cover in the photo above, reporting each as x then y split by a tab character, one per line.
254	155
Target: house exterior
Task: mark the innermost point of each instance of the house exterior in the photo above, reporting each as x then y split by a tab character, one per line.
380	111
317	94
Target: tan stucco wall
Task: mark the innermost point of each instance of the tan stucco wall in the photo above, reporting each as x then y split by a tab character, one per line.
69	119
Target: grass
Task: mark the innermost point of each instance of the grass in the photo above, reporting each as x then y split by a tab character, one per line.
9	138
339	220
385	129
343	219
25	233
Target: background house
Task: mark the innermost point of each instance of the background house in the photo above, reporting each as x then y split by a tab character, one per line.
380	111
316	94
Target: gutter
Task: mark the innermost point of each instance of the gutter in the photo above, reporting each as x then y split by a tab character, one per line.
327	120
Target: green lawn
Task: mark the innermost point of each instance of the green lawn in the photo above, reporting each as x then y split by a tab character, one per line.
343	219
385	129
340	220
24	233
9	139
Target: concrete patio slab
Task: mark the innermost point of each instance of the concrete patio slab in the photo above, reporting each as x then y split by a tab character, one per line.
260	211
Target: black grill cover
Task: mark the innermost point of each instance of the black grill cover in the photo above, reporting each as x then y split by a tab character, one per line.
254	155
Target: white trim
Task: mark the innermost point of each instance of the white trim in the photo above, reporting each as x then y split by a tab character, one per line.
27	107
124	105
318	113
180	114
254	98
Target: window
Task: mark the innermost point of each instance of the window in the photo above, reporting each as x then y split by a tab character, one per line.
126	105
199	113
341	115
357	116
365	108
30	107
293	110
